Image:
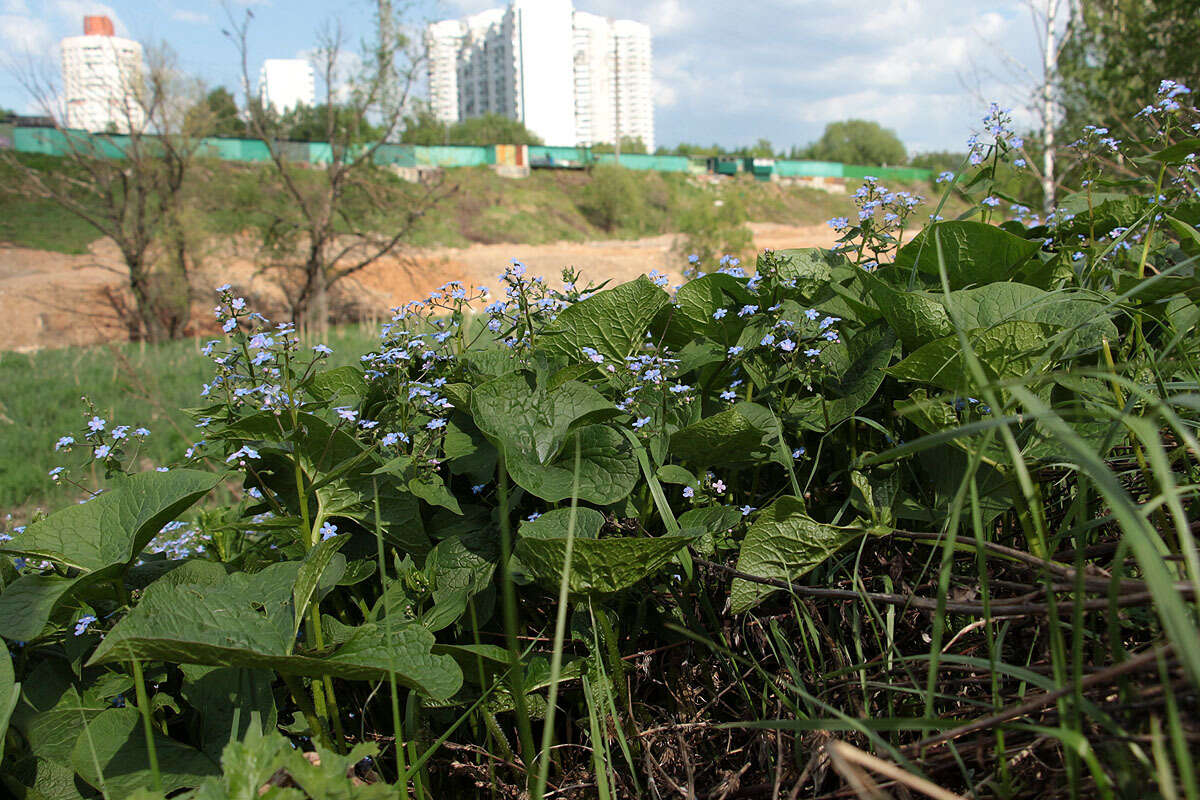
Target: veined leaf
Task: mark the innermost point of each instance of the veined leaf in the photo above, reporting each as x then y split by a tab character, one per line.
111	755
612	321
10	692
531	421
242	620
608	470
598	566
115	527
1006	350
554	524
784	543
975	253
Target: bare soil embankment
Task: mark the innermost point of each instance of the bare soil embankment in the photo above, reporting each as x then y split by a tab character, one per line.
55	300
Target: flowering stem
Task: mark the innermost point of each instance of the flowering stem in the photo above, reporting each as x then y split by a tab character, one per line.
143	701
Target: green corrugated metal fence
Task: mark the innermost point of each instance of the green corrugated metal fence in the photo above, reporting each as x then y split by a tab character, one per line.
643	161
808	169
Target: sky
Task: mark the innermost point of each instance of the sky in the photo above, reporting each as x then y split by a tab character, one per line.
724	72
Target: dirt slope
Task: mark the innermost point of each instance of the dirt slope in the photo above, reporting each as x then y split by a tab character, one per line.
55	300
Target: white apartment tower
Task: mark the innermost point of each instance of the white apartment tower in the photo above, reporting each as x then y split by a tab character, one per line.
102	76
284	83
573	78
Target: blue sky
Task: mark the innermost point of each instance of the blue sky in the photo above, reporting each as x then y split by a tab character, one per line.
725	72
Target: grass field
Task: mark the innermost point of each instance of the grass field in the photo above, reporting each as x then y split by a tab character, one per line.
40	400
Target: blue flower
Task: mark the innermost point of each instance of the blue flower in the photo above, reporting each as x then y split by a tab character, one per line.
787	345
84	623
799	451
748	310
478	488
533	516
720	313
747	510
64	441
328	531
767	340
991	202
434	424
347	413
735	350
729	394
102	451
96	424
945	177
689	491
641	421
322	349
839	223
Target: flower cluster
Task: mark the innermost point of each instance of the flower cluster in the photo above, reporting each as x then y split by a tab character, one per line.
997	140
879	228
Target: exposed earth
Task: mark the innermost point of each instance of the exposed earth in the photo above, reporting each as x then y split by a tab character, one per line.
54	300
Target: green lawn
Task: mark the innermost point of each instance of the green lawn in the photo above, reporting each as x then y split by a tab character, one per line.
129	384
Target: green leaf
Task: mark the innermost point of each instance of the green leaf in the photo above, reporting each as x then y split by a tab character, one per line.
231	702
670	473
457	569
1006	350
697	299
243	620
725	437
608	470
10	692
111	755
554	524
784	543
711	522
598	566
115	527
810	268
975	253
1178	152
28	602
917	317
346	382
432	490
339	468
531	421
316	563
613	322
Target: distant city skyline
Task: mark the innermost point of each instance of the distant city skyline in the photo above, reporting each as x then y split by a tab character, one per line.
572	77
776	69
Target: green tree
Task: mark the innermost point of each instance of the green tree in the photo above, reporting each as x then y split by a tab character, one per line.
217	115
492	129
425	129
314	124
859	141
1115	54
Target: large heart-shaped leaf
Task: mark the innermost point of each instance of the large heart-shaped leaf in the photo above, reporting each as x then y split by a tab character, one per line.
115	527
555	524
613	321
608	470
530	420
784	543
598	566
809	269
1006	350
726	437
974	253
28	602
242	620
111	755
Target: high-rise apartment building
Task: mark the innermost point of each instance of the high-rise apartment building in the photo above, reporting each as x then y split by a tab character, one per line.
102	78
570	76
284	83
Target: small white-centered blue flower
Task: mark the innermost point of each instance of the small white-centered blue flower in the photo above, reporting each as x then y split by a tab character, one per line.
328	531
84	623
96	424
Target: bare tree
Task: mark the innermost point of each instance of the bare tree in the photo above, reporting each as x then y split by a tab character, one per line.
129	186
342	216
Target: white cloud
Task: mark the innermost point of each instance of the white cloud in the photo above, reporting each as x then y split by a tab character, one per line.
191	17
15	7
24	36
